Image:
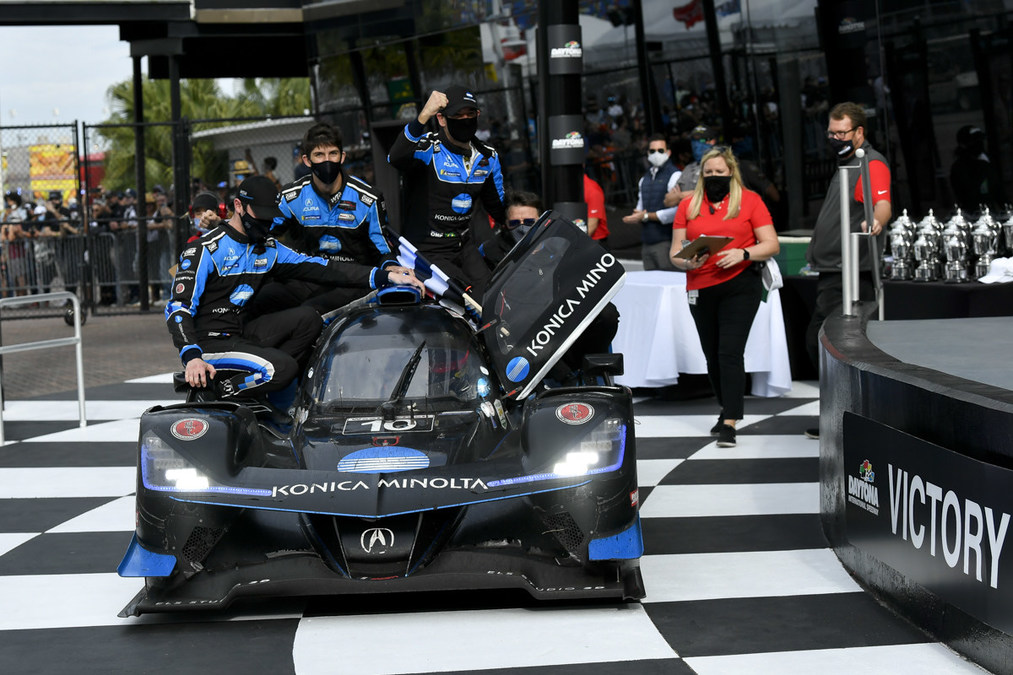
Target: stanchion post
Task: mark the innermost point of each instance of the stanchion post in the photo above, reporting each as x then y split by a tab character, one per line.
847	255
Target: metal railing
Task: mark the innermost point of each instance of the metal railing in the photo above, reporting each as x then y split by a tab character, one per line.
44	344
851	241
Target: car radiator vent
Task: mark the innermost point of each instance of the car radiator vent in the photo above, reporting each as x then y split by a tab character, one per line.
200	543
565	529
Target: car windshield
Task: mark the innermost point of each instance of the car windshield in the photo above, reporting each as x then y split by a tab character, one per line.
367	357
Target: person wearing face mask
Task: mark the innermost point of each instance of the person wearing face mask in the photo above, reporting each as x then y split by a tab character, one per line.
701	140
651	211
330	214
724	289
218	276
523	211
845	134
445	173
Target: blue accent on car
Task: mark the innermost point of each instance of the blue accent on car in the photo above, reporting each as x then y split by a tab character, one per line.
482	386
518	369
383	459
398	295
627	545
140	562
466	502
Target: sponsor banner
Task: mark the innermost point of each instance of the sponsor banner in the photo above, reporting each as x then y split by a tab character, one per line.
52	167
566	139
566	53
938	517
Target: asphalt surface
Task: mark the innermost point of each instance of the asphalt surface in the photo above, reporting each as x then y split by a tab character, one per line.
114	349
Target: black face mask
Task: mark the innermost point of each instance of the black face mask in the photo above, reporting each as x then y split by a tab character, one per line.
716	187
327	172
256	230
841	148
462	130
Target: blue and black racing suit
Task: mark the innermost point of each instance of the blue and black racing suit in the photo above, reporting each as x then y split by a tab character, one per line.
217	277
441	188
345	227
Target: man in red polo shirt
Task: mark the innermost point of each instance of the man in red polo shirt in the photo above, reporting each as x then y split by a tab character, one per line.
597	224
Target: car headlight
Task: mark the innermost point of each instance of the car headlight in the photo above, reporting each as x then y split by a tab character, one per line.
601	451
165	470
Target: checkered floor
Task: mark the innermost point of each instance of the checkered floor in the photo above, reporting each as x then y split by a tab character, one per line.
739	577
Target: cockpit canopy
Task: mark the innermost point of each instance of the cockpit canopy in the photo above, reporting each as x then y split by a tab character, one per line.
367	355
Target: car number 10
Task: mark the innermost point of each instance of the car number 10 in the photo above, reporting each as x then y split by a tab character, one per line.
359	425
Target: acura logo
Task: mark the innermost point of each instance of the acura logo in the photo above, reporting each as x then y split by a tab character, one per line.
379	538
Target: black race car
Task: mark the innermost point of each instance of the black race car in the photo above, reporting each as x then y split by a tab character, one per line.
427	450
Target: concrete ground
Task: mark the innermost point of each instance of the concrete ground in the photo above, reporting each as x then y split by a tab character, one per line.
114	349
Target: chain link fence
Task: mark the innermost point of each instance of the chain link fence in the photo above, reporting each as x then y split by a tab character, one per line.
76	217
41	244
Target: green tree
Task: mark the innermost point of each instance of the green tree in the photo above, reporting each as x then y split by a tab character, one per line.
200	100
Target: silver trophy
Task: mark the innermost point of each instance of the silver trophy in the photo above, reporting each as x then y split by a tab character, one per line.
955	249
984	239
925	250
901	238
928	248
1007	231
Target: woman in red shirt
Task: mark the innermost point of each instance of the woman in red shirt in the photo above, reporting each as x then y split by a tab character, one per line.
724	289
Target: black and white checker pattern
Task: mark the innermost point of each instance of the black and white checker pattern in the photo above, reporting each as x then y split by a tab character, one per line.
739	577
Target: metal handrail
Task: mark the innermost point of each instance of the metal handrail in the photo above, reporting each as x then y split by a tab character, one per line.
44	344
850	240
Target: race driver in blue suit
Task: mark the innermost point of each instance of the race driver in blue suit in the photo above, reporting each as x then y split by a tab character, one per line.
222	271
330	214
445	173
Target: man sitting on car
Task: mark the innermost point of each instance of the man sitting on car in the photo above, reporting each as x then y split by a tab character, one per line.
219	275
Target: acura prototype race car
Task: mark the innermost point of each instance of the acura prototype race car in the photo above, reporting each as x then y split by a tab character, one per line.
428	449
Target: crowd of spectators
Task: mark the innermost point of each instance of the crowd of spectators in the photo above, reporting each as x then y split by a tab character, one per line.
43	242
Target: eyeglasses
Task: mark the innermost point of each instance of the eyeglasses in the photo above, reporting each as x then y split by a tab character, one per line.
514	223
657	151
839	135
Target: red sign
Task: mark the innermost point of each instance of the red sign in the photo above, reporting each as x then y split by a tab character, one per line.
574	413
190	429
689	13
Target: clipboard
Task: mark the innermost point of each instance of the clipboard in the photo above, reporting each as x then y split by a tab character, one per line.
703	244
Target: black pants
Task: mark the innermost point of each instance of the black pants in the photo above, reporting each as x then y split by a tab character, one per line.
723	315
465	264
596	338
270	353
830	302
278	296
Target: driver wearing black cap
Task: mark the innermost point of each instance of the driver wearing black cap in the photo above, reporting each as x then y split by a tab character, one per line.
220	273
446	171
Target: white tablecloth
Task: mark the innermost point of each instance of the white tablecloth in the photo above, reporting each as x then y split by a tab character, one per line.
658	338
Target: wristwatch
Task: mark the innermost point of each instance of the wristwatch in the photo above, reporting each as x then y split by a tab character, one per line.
644	219
745	254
